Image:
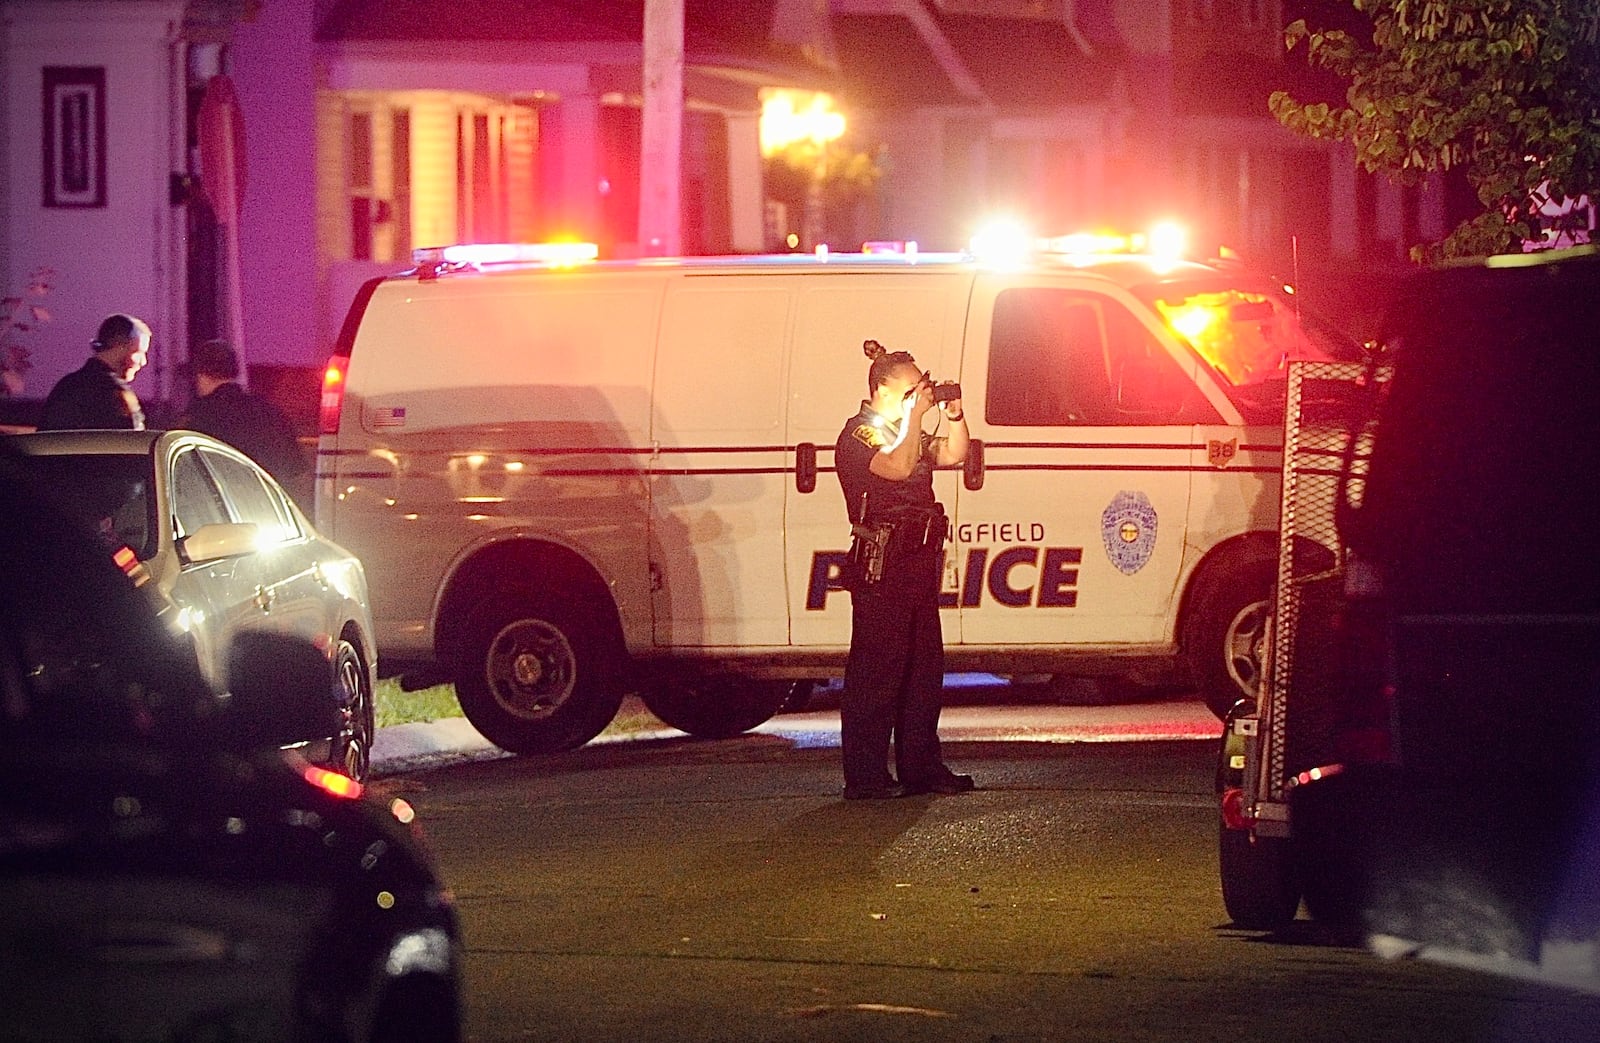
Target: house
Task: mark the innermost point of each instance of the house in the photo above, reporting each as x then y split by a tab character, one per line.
370	127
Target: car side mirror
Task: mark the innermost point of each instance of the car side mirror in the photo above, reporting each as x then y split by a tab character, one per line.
219	540
280	691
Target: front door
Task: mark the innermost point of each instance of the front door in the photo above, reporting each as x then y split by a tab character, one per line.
1076	536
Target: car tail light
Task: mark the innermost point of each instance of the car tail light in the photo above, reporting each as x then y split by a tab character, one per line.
333	381
331	782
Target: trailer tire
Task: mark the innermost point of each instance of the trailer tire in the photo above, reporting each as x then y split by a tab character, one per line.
1224	631
716	708
536	673
1260	888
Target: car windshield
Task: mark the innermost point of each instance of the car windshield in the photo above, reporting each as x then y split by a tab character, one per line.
1248	335
111	492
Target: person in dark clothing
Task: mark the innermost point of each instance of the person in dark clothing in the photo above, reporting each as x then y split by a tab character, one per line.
226	411
894	676
98	395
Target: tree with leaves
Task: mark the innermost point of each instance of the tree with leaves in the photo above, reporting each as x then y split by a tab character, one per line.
1503	92
19	315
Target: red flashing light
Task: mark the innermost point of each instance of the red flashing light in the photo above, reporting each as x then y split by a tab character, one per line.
331	782
333	393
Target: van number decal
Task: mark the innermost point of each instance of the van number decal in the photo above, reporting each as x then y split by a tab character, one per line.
1128	529
1020	576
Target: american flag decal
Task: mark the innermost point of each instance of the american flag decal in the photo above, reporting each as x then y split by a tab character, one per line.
391	416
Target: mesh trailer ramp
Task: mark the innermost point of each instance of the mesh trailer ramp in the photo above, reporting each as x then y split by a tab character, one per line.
1283	738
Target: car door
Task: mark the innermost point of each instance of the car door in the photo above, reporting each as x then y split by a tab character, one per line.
1076	536
213	597
281	578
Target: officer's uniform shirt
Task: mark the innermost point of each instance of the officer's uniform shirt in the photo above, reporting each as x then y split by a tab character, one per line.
91	397
257	428
864	436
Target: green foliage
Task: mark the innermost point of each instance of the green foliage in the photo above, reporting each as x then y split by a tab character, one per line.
397	706
20	315
1505	92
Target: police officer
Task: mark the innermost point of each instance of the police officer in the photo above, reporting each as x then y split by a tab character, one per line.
895	674
223	409
98	395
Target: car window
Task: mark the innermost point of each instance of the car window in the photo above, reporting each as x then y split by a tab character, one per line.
195	500
111	492
246	489
1067	358
1247	335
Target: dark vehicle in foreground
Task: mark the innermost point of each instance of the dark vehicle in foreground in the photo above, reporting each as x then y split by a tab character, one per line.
219	540
1421	759
167	870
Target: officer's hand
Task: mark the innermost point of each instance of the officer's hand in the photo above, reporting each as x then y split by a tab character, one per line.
919	400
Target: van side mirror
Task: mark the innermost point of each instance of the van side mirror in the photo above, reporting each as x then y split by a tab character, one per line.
972	466
280	691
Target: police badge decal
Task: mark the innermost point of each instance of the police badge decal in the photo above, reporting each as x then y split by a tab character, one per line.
1128	528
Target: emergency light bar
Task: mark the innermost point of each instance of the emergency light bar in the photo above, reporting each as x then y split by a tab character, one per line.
505	253
1006	242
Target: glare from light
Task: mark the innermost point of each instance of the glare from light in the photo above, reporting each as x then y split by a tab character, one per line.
419	952
792	116
1192	321
1002	241
1168	239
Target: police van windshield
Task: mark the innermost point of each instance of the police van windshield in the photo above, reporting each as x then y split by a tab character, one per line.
1248	335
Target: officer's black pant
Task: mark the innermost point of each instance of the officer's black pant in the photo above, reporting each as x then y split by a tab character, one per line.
893	679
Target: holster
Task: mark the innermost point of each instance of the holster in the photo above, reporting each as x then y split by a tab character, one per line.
869	550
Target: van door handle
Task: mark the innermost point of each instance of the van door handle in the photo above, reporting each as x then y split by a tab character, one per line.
972	466
805	467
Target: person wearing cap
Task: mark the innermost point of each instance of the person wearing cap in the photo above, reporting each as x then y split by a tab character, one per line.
98	394
250	423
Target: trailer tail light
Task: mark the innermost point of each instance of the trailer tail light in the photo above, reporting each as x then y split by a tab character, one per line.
333	381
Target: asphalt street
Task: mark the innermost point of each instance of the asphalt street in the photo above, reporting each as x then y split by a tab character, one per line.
974	713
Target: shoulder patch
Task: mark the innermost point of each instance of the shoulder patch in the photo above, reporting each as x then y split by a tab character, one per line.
870	436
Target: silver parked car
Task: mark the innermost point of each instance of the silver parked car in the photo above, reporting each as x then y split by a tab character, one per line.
224	549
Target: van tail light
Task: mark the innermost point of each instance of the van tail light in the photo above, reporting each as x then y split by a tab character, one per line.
333	381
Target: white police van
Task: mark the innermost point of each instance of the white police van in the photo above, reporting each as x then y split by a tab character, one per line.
569	479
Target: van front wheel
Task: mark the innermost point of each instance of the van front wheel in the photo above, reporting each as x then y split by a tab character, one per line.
1224	635
537	674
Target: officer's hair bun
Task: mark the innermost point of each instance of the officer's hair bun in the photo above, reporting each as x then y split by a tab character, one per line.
873	350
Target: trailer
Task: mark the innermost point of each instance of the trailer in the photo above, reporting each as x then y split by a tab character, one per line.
1278	746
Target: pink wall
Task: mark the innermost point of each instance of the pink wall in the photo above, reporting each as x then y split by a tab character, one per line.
273	72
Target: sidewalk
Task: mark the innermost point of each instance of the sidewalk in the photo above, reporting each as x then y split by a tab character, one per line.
407	747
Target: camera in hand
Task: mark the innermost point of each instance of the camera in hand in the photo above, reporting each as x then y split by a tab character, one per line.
946	391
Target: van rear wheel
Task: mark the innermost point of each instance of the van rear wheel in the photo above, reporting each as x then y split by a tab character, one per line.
1224	633
537	674
716	708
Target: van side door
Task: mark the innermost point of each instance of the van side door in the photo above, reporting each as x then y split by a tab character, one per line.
718	469
917	311
1075	538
